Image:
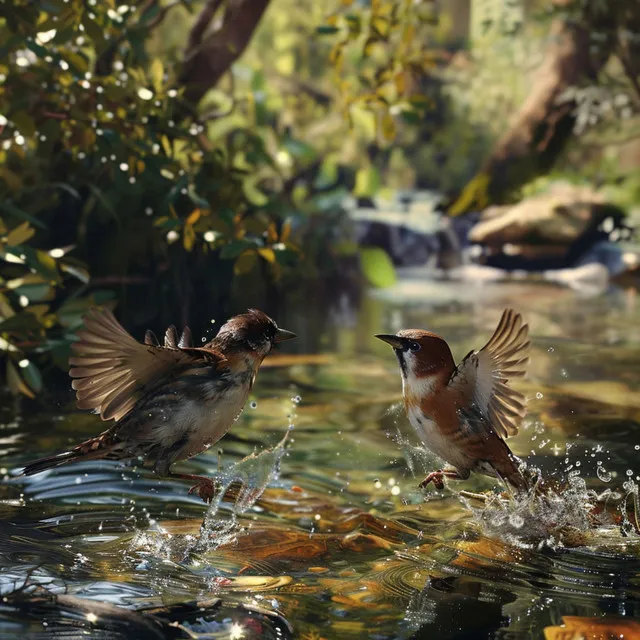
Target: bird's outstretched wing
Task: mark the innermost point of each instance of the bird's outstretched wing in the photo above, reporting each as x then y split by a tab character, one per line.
482	377
111	370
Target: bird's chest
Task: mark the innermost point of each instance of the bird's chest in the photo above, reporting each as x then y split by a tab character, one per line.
438	435
201	417
211	417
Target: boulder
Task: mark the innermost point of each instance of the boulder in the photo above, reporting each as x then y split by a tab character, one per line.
549	230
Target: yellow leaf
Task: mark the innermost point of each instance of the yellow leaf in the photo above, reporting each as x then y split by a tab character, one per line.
194	216
268	254
156	71
286	231
166	145
272	234
473	195
285	63
188	237
408	37
401	83
245	262
388	127
140	166
20	234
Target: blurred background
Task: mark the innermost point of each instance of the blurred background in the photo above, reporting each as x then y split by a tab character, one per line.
182	159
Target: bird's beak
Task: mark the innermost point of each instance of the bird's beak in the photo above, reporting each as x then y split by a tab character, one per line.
395	341
283	334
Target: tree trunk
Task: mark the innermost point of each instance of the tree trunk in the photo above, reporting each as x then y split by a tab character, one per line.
210	53
545	121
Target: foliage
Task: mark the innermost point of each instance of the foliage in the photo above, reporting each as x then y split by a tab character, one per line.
102	165
377	267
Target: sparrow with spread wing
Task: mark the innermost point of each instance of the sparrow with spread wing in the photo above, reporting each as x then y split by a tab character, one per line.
168	402
464	413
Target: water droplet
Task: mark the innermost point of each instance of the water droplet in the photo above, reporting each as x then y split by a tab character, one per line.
603	474
253	405
539	396
550	349
629	472
637	447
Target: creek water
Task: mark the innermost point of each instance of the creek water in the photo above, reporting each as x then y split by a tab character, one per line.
323	532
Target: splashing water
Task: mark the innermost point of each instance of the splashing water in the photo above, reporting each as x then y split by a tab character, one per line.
253	473
564	516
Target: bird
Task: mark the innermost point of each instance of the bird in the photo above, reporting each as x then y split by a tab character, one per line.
167	402
464	413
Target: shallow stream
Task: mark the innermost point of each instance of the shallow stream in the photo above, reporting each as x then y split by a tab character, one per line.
342	543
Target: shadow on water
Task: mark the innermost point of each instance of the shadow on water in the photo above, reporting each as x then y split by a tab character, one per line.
322	532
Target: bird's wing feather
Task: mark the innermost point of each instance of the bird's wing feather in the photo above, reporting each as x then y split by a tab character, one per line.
484	375
111	370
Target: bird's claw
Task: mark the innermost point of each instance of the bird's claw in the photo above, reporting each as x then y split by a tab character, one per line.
436	477
205	489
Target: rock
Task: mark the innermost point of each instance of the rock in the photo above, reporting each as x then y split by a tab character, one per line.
557	229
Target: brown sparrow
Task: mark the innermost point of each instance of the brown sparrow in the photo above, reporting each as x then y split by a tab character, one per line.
463	414
168	402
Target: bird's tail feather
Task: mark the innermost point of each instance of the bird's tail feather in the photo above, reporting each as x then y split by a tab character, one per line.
513	471
89	450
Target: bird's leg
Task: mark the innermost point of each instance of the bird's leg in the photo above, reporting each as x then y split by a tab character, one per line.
437	477
204	487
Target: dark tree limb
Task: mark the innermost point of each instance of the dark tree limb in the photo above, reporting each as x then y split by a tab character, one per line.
212	50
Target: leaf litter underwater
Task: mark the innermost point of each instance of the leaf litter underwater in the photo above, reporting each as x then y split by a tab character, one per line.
320	531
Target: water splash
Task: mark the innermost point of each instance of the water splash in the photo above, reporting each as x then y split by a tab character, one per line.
567	515
253	474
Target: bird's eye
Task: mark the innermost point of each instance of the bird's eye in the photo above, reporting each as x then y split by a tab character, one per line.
414	346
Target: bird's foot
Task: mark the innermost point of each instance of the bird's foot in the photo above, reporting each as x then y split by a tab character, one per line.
437	477
205	488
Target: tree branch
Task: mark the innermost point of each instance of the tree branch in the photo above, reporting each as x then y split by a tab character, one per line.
209	57
202	24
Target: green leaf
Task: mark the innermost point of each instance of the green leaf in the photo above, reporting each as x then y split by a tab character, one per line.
24	123
234	248
377	267
16	383
32	376
12	210
43	263
253	193
367	182
325	29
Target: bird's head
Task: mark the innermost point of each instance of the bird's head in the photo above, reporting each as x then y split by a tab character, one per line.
253	332
421	354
